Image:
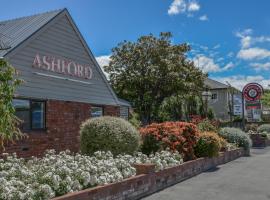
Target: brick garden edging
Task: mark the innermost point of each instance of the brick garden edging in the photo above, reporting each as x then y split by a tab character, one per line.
147	181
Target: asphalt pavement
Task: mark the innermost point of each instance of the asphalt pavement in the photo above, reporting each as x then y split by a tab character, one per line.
247	178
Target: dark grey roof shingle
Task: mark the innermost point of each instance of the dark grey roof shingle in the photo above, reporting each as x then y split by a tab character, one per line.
212	84
14	32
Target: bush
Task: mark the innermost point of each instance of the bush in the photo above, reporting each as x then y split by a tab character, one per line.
108	134
237	136
206	125
58	174
264	128
180	136
251	127
208	145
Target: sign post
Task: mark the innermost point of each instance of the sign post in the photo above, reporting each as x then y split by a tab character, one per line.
251	95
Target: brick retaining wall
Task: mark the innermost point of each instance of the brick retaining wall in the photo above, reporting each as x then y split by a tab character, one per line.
150	182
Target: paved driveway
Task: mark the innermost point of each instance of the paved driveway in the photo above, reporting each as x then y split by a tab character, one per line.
247	178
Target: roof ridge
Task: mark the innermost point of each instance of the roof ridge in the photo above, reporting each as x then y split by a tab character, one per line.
33	15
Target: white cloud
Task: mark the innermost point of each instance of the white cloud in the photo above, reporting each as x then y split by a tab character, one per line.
183	6
230	54
261	66
239	81
103	61
253	53
207	64
230	65
193	6
217	46
177	6
203	18
248	40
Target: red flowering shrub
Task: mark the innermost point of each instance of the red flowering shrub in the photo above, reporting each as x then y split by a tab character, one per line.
177	136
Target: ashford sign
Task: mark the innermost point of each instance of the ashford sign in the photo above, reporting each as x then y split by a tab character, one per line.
62	66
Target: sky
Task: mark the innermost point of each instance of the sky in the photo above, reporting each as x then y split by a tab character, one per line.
230	39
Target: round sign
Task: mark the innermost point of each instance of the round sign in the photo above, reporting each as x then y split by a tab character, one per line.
252	91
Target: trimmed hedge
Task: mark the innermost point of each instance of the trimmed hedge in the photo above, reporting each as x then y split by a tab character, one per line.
237	136
108	134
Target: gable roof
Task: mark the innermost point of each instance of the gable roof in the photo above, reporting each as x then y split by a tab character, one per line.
14	32
19	31
213	84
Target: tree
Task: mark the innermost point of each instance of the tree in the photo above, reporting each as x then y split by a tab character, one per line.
151	69
266	98
8	121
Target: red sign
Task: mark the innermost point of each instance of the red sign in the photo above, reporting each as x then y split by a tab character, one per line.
252	92
62	66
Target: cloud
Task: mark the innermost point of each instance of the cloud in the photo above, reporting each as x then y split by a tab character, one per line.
230	65
203	18
217	46
177	6
207	64
183	7
247	40
230	54
103	61
239	81
253	53
261	66
193	6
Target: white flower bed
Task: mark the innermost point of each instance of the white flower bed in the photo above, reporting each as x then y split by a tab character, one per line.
58	174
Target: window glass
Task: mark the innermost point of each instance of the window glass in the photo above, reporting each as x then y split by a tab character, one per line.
214	96
96	111
22	108
31	113
21	104
37	109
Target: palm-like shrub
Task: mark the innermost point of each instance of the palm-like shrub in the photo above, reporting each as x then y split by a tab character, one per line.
209	145
237	136
264	128
108	134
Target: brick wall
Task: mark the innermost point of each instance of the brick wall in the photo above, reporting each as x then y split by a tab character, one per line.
147	181
63	120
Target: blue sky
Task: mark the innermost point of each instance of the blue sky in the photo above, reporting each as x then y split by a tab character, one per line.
230	38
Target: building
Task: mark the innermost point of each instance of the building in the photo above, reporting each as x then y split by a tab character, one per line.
225	100
63	83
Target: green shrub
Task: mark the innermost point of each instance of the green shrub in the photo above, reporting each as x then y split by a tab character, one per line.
237	136
264	128
209	144
206	125
108	134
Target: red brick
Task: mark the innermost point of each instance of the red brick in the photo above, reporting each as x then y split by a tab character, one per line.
63	120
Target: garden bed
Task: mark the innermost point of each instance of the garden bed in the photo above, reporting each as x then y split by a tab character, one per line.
150	181
259	141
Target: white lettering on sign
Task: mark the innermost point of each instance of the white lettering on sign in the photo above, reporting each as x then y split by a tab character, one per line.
66	67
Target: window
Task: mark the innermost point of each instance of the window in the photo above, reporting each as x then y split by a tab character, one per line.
214	96
31	112
96	111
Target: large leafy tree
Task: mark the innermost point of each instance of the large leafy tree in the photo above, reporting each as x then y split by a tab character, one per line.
8	121
266	98
151	69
